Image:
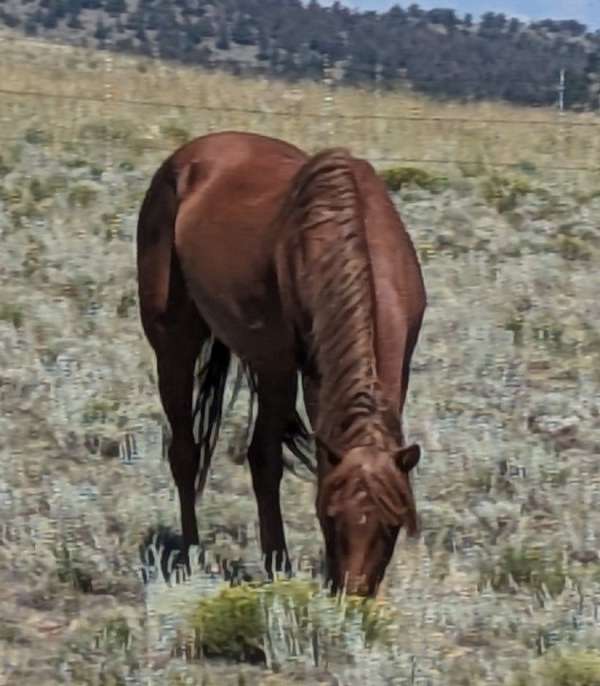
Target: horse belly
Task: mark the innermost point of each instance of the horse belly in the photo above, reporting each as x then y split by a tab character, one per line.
241	309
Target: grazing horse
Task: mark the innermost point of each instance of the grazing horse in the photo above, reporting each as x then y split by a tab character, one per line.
294	264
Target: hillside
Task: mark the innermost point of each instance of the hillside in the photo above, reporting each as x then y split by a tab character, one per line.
434	51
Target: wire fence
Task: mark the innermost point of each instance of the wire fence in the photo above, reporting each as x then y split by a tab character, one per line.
148	146
308	115
325	115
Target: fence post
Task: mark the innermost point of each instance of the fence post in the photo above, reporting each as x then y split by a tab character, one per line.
561	92
328	118
108	98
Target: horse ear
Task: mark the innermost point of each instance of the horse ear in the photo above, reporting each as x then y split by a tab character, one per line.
407	458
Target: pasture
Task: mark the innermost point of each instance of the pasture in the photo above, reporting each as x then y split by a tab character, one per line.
503	586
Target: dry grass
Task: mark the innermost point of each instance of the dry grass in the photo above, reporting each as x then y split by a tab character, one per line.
408	125
504	392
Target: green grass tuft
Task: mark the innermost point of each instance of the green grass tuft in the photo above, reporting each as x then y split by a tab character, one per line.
565	668
527	566
9	312
397	178
504	193
231	625
237	624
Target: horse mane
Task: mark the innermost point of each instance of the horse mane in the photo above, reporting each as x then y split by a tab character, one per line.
328	256
328	283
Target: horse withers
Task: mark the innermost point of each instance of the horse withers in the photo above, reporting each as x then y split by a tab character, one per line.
292	264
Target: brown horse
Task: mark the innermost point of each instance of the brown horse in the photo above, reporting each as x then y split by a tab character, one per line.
293	264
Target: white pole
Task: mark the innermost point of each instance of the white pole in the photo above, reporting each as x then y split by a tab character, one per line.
328	100
561	92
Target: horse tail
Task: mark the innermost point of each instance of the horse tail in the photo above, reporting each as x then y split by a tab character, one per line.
160	286
158	281
298	440
208	412
208	408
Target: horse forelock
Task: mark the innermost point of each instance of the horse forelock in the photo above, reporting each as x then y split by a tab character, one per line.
369	486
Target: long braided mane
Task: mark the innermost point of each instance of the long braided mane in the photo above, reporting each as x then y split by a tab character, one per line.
333	295
334	290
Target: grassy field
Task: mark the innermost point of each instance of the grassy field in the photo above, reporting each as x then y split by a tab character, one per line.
503	587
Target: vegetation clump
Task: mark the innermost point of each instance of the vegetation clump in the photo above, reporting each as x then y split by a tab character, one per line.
11	313
70	570
565	668
397	178
527	566
573	248
241	623
230	625
504	193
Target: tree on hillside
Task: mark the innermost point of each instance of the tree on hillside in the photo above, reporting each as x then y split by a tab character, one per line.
102	32
222	42
415	12
170	45
264	45
445	17
115	7
205	27
30	26
498	58
364	58
492	24
73	22
141	35
514	26
242	31
50	20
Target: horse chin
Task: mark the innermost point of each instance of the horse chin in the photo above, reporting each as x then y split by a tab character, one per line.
364	585
355	574
361	586
345	577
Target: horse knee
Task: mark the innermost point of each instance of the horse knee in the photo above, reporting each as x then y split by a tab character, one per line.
152	314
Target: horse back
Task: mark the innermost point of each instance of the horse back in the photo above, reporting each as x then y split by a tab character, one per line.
230	190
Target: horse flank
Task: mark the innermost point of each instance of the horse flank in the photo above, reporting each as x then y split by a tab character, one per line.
329	258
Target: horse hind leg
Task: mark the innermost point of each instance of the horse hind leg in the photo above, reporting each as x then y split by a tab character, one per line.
176	332
177	340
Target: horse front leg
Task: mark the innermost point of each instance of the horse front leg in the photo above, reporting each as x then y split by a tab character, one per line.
276	402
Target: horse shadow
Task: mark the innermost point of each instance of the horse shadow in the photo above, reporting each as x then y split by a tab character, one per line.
161	557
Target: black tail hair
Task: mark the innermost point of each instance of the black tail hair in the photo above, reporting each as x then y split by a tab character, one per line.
208	411
297	437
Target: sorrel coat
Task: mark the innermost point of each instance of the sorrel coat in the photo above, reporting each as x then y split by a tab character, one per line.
299	266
